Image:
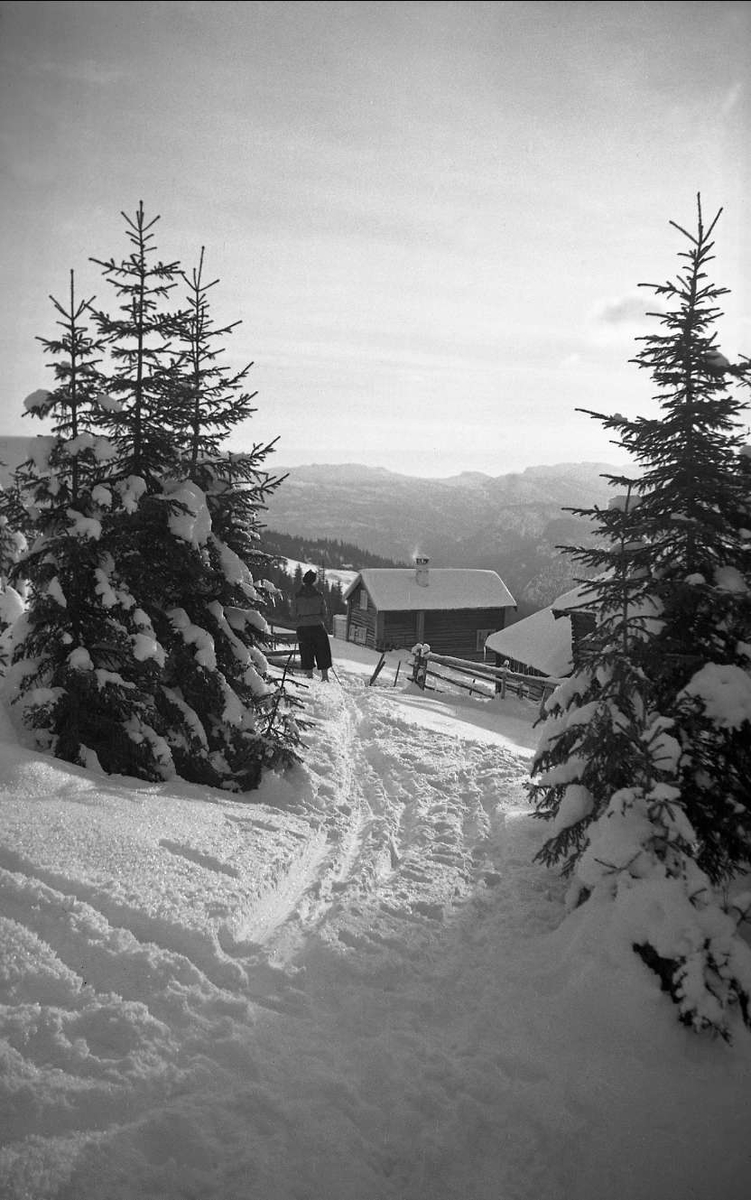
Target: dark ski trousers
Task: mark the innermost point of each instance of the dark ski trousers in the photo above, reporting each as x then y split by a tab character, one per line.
314	647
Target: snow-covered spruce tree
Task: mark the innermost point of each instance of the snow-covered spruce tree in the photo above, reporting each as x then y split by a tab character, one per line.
82	669
644	763
181	535
13	544
243	719
14	526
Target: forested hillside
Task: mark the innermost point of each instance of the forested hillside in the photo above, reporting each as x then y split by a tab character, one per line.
323	551
354	516
512	524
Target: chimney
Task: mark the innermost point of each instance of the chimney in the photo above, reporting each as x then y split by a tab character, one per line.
421	570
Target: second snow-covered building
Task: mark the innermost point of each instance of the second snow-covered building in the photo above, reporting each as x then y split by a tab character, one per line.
451	608
546	643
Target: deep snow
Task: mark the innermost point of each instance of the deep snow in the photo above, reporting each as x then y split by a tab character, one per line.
355	987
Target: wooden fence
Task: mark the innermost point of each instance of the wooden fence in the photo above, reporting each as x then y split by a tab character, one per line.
283	648
503	680
472	677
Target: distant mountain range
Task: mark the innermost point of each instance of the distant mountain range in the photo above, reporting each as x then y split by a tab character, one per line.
512	523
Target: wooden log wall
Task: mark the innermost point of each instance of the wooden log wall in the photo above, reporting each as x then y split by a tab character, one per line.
456	632
361	619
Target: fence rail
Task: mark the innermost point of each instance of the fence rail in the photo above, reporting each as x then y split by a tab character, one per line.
465	674
503	679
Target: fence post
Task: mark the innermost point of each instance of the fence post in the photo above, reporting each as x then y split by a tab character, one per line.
420	666
379	668
500	686
415	664
423	671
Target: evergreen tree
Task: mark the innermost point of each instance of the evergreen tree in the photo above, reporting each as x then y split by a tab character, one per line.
192	541
78	682
15	524
335	599
143	426
13	544
142	647
235	487
644	763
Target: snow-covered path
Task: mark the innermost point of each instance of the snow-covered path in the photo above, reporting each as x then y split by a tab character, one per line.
353	990
409	818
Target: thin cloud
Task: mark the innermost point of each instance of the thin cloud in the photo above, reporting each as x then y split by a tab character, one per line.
732	98
624	310
85	70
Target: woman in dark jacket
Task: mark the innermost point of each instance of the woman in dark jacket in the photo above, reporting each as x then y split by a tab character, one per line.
309	613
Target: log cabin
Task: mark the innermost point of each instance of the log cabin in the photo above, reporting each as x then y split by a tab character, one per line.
450	608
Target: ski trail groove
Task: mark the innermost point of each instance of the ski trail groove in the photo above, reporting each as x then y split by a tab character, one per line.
347	821
413	822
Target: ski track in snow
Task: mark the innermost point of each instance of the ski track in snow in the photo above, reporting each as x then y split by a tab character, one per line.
414	833
339	1036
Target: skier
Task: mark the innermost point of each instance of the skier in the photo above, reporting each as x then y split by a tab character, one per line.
309	613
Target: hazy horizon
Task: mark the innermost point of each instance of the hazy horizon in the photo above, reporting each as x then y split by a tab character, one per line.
275	465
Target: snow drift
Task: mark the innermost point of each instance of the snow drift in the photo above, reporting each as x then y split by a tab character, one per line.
356	987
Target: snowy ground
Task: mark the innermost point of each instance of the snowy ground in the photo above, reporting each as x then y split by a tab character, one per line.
355	988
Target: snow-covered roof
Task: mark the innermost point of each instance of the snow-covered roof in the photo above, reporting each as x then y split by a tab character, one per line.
539	641
542	641
395	589
578	597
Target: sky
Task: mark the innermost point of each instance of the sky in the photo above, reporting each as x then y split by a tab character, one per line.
431	218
